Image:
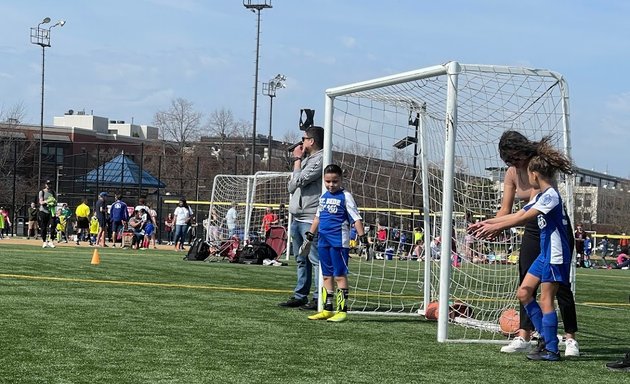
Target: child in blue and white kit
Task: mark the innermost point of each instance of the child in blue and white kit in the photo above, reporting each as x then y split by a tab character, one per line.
552	266
335	214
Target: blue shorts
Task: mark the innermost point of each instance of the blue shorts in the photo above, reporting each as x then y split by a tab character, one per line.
333	261
148	229
550	273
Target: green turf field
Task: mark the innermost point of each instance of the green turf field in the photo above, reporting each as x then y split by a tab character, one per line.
153	318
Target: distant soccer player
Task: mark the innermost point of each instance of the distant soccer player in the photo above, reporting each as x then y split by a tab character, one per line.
551	267
335	213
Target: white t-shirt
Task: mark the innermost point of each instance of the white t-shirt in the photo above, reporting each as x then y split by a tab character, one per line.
231	217
182	214
140	207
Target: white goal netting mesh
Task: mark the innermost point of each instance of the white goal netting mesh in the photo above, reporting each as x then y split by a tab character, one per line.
251	194
389	137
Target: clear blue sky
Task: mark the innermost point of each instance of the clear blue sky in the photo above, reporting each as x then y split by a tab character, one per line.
128	59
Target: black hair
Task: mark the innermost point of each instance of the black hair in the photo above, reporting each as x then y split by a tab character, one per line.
548	160
334	169
514	147
317	133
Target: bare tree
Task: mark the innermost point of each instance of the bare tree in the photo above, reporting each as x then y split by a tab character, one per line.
221	123
10	119
14	150
243	129
290	137
180	123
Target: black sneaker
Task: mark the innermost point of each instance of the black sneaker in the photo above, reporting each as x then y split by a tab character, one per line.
621	365
544	355
540	346
294	302
310	306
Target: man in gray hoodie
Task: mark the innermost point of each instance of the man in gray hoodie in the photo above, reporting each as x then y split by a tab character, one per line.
306	187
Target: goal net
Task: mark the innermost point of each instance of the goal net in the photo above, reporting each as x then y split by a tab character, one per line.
419	153
251	194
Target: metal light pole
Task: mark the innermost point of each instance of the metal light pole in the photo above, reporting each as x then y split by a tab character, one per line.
57	176
256	8
420	111
269	89
41	36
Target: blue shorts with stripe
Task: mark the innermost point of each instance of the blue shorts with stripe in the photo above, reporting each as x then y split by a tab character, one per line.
333	261
550	273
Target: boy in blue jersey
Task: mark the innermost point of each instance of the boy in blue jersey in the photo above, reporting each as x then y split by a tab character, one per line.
551	267
335	213
119	216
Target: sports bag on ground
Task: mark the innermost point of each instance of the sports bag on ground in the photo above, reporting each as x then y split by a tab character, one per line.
199	251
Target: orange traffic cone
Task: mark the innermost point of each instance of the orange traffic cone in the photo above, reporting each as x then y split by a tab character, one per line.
96	259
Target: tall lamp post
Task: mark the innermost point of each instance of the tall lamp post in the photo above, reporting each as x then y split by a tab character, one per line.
41	36
405	142
269	89
256	7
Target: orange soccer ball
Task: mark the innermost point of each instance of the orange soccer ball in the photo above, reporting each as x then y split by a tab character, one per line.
431	313
509	322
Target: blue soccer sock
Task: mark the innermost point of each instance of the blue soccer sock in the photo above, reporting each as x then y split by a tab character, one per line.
535	315
550	331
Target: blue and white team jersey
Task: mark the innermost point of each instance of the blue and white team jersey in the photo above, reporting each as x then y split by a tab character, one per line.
336	211
554	241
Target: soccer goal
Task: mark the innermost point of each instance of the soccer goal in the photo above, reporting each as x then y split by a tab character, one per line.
419	153
252	194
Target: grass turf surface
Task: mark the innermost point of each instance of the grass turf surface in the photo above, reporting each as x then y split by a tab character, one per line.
153	318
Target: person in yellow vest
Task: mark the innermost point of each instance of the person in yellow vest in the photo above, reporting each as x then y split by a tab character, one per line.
62	222
93	228
83	221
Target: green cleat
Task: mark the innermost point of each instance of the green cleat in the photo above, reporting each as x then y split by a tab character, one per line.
323	315
339	317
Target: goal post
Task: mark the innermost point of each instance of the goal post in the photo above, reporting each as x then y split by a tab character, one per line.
252	194
452	115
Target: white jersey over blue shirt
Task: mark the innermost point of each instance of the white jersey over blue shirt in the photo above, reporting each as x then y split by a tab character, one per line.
554	240
336	211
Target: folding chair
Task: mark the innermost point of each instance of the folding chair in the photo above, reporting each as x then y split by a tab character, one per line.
224	249
276	238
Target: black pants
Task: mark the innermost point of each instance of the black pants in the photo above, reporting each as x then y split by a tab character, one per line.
530	249
44	223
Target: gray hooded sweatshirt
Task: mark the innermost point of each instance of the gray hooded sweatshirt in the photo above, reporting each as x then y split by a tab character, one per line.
306	187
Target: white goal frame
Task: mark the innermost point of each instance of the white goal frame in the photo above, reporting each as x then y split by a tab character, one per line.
451	71
250	200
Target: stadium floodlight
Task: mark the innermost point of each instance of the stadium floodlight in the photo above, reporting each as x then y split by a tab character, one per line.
256	7
41	36
269	89
405	142
461	111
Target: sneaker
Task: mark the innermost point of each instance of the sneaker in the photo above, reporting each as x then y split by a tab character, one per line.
78	243
276	263
339	317
621	365
266	262
517	345
294	302
51	244
44	245
540	346
571	348
310	306
544	355
323	315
